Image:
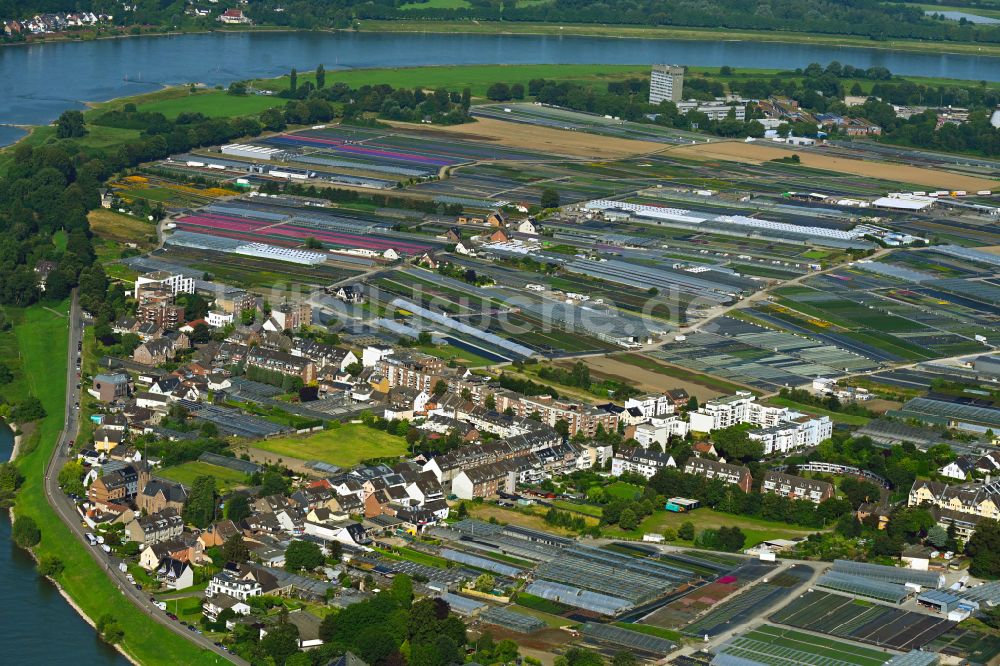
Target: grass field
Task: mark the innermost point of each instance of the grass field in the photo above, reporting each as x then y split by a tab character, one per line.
345	446
755	529
436	4
225	479
214	104
42	340
121	228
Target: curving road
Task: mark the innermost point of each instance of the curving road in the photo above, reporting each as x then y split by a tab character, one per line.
66	509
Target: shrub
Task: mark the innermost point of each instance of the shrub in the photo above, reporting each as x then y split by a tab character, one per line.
25	532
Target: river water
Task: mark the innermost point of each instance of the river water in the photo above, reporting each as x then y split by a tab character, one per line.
37	626
38	82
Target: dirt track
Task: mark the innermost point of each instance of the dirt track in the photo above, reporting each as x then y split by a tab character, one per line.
542	139
760	151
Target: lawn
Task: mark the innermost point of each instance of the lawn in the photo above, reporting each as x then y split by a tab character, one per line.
42	340
345	446
225	479
755	529
214	104
622	490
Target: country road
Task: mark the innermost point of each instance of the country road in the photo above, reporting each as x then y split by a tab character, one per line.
67	511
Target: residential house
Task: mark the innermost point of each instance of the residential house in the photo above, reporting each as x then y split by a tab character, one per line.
640	461
737	475
175	574
166	525
154	352
796	487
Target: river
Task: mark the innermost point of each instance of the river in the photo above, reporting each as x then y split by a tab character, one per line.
39	81
37	626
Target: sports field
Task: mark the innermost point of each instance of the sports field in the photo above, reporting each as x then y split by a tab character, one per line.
782	647
345	446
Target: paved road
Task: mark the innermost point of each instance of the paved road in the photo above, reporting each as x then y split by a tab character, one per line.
67	511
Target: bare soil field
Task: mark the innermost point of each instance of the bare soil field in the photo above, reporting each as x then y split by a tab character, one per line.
759	152
542	139
642	379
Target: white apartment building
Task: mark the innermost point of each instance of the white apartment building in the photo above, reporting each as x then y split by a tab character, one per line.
666	82
734	409
218	319
229	584
638	461
658	431
178	284
651	405
799	432
372	354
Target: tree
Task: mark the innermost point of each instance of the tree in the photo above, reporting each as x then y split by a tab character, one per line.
440	388
490	403
199	508
293	80
499	92
273	483
70	125
235	549
624	658
25	532
238	508
735	444
303	555
628	521
549	198
50	565
320	77
485	583
686	531
984	549
402	590
313	244
109	629
937	536
281	641
71	478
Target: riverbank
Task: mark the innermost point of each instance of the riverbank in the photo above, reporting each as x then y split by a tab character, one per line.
687	34
614	31
39	332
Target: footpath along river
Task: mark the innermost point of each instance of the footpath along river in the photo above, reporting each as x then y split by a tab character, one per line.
40	81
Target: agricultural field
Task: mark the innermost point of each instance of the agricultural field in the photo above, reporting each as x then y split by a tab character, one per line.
185	473
213	104
781	647
345	446
862	621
